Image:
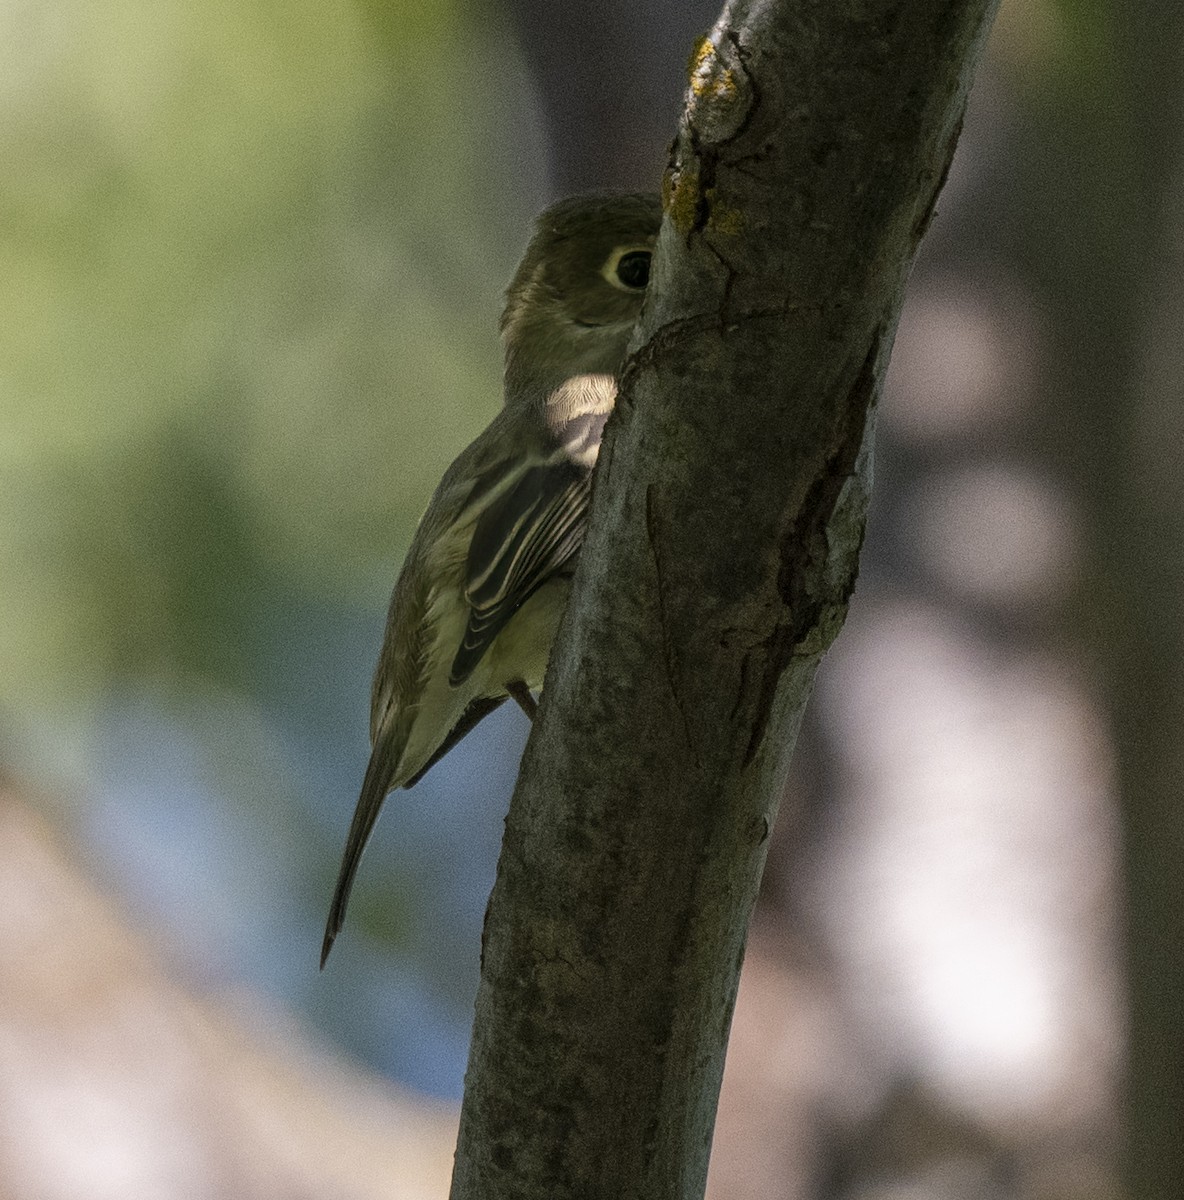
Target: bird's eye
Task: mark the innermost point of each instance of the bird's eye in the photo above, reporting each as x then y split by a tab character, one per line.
633	269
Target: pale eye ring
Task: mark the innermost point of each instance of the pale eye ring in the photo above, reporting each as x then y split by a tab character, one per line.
628	268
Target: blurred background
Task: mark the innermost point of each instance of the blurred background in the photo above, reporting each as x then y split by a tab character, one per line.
251	258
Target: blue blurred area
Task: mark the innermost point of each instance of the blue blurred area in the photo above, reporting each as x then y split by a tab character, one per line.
221	823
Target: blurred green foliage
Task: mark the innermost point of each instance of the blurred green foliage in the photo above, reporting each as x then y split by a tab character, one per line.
251	257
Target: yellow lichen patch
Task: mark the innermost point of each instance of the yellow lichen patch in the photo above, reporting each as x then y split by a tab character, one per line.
680	197
722	218
669	177
710	78
702	47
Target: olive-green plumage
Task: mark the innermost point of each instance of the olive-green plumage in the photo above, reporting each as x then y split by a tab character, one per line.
485	581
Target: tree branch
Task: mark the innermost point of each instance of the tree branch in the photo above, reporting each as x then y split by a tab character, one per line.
720	557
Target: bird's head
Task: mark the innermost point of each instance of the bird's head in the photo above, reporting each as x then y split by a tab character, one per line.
577	293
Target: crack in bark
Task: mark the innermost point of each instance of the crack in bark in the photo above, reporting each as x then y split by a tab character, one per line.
800	548
927	213
670	335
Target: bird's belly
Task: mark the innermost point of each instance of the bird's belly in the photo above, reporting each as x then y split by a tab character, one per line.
521	650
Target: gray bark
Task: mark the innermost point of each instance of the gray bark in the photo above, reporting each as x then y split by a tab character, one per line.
721	553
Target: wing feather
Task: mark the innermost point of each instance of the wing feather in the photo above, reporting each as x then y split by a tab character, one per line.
528	535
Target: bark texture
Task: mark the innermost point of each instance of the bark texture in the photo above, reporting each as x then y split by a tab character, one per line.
721	554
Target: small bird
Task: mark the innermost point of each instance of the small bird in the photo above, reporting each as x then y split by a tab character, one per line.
487	575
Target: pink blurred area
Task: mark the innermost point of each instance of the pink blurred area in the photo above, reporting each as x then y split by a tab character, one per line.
118	1082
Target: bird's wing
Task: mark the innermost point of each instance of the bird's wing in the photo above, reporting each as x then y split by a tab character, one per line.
437	550
524	493
529	534
533	527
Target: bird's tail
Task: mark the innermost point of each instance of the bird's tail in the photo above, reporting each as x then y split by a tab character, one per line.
379	776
